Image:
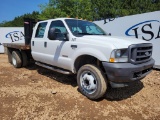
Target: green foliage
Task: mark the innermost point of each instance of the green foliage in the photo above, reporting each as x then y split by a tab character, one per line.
97	9
130	7
88	9
18	21
66	8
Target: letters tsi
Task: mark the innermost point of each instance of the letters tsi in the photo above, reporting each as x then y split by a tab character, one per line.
15	36
146	30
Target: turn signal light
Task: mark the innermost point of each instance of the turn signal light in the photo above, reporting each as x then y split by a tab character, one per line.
111	60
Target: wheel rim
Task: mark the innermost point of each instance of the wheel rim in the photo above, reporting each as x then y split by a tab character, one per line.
13	61
88	82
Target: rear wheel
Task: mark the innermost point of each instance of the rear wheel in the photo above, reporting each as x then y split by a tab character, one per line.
25	60
9	53
16	59
91	81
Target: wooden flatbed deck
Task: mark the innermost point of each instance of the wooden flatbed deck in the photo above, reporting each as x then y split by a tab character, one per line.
21	46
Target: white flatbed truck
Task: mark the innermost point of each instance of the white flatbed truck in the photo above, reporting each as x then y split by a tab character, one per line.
73	46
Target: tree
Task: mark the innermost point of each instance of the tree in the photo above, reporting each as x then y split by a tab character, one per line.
88	9
130	7
96	9
67	8
18	21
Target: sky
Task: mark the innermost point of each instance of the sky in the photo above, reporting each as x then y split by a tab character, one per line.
9	9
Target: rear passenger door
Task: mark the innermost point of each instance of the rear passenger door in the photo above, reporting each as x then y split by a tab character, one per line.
38	42
48	51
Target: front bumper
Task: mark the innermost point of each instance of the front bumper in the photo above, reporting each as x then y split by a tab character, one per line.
122	74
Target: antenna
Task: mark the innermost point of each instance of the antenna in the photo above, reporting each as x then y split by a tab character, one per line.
77	16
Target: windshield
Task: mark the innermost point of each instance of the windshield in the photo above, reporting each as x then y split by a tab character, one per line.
80	27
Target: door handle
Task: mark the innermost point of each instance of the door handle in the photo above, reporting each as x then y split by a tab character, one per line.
73	46
32	43
45	44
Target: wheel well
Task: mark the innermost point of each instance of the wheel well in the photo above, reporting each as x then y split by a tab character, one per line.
10	50
28	52
86	59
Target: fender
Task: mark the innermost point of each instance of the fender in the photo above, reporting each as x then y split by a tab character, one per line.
88	51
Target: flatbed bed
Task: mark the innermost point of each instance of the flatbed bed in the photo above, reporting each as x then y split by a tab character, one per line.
21	46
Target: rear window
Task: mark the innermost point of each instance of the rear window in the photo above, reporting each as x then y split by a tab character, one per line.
41	30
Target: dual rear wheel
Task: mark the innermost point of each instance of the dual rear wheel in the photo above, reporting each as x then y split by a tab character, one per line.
19	59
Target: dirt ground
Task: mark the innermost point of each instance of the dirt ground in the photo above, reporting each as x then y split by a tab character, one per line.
34	93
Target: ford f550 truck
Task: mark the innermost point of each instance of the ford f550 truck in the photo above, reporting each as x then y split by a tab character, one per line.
73	46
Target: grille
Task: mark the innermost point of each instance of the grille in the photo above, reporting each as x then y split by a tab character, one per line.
139	53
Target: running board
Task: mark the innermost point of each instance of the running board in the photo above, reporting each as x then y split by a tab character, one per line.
53	69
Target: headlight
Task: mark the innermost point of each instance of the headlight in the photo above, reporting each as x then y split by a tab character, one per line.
119	55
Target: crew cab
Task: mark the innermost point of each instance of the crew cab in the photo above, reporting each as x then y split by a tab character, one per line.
73	46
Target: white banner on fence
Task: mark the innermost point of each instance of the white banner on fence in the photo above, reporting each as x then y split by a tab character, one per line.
11	35
142	26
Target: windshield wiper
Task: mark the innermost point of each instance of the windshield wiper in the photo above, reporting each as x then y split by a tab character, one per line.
84	33
88	34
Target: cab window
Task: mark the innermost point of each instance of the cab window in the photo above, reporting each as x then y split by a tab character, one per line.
40	30
60	29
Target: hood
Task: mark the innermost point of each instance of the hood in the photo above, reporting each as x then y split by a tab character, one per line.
118	42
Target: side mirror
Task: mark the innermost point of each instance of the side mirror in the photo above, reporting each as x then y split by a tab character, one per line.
51	33
55	34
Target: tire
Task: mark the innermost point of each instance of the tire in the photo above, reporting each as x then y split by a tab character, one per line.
91	81
24	59
16	59
9	53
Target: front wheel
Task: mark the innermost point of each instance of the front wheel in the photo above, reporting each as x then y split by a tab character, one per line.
91	81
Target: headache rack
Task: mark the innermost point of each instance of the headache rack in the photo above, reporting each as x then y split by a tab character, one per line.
28	29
